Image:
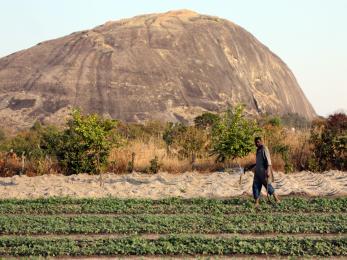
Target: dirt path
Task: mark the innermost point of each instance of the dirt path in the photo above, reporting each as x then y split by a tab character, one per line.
186	185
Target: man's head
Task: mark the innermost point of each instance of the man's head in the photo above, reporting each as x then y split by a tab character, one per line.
258	142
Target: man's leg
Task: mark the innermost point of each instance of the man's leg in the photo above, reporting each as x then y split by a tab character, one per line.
271	191
256	190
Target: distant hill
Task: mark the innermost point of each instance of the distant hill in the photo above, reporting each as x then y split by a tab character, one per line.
170	66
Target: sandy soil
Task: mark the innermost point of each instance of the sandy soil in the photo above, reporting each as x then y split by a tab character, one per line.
187	185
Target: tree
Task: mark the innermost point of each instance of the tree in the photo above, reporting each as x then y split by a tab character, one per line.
85	145
190	142
233	136
171	132
206	120
329	139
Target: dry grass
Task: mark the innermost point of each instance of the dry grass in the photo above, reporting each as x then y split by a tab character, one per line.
146	151
11	164
300	149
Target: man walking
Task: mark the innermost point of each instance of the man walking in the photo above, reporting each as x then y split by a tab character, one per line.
263	172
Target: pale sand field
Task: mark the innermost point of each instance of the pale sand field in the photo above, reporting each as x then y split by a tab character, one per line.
187	185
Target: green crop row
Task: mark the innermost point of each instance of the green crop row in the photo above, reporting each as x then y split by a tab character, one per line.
169	206
172	245
166	224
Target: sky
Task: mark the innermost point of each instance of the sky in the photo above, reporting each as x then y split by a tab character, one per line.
310	36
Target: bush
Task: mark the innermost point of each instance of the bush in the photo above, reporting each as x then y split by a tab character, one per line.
85	145
206	120
284	151
275	121
35	143
329	140
154	165
233	136
190	142
171	132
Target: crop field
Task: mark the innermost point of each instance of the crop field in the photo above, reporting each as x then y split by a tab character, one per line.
173	227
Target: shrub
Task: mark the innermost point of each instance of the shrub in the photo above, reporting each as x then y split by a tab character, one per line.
85	145
275	121
171	133
206	120
329	140
233	136
34	143
26	143
154	165
190	142
284	151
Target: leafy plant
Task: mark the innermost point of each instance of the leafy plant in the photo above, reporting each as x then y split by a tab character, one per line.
292	205
131	164
173	245
190	143
154	165
171	133
284	151
85	145
233	136
329	140
206	120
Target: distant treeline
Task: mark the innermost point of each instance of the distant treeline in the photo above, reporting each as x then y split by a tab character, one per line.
92	144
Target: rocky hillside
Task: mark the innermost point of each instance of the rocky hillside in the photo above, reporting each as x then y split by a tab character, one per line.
169	66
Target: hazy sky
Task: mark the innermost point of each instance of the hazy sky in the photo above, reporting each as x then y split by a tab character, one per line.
309	35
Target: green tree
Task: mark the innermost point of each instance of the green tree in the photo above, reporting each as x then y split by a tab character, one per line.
206	120
171	133
233	136
85	144
190	142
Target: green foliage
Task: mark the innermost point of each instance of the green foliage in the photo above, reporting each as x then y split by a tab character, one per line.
206	120
154	165
329	139
171	133
284	151
35	143
275	121
274	136
190	142
131	164
166	224
196	218
173	245
59	205
85	145
233	136
27	143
